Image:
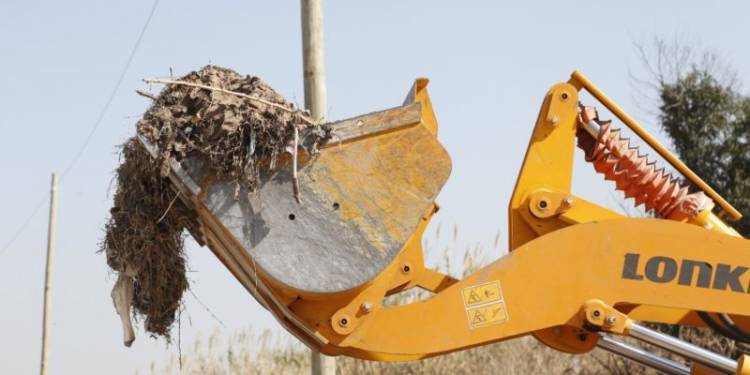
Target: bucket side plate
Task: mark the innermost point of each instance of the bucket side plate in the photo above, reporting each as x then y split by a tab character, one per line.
362	198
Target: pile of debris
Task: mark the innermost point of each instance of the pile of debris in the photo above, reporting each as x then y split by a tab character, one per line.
235	124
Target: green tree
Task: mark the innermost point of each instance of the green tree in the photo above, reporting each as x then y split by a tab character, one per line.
698	105
709	124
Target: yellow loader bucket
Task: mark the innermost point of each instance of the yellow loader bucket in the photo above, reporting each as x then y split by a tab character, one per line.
362	198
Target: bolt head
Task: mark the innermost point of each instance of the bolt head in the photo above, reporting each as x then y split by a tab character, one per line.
554	120
367	307
611	319
568	201
406	268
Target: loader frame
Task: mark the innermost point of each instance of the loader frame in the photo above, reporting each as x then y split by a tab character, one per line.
576	271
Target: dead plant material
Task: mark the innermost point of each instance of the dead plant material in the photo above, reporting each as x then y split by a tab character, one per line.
239	127
237	123
146	251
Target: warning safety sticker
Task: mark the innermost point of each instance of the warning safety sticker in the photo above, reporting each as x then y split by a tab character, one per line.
484	304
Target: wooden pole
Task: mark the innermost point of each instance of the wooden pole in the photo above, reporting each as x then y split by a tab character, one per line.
313	65
314	71
48	275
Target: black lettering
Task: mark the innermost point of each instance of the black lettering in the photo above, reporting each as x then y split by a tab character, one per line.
688	268
726	276
630	268
669	269
661	269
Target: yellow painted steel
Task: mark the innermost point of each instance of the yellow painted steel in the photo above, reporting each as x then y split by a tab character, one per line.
546	283
744	365
567	255
547	153
708	220
548	163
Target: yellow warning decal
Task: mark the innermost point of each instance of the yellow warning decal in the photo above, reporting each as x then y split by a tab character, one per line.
484	304
486	315
480	294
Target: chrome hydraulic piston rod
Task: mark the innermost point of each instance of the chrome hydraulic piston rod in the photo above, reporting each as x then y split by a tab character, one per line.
642	356
684	349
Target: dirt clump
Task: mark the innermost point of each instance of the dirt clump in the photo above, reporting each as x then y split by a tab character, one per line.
235	134
238	126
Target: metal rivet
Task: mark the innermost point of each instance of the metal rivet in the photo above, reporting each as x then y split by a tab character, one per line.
568	201
359	123
611	319
554	120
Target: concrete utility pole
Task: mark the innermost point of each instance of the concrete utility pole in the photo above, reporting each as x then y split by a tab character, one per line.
314	74
48	274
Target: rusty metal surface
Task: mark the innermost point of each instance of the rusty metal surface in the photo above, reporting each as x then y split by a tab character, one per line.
363	197
361	202
375	123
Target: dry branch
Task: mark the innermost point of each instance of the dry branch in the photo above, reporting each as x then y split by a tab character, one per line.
146	94
207	87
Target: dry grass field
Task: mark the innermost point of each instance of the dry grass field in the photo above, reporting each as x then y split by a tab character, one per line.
268	353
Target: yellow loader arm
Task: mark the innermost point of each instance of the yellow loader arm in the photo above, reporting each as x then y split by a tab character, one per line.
577	274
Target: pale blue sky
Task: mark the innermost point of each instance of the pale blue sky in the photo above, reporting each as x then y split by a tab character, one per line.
490	64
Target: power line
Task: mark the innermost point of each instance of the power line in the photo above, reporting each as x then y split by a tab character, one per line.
93	130
24	225
113	93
